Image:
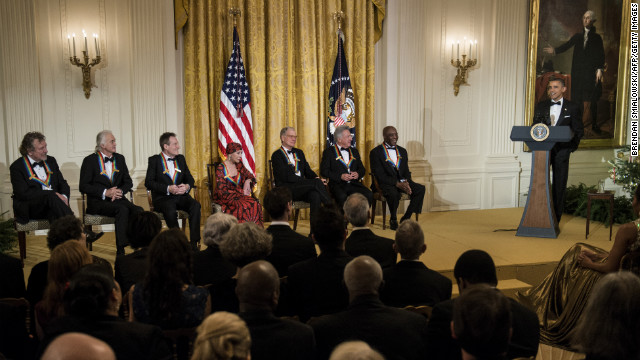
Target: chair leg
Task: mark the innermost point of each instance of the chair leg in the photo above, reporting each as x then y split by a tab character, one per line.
416	217
22	244
184	225
87	228
373	211
295	218
384	215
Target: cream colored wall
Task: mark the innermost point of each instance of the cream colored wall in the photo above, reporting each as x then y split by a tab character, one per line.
138	93
459	145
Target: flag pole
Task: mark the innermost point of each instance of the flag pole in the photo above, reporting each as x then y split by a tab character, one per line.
234	12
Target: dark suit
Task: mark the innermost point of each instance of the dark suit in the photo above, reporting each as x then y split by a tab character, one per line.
396	333
332	168
93	184
30	201
584	64
158	182
315	285
365	242
278	339
524	339
209	267
412	283
12	281
305	187
571	116
388	175
289	247
131	269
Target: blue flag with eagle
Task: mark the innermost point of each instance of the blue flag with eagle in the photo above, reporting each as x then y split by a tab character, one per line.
342	109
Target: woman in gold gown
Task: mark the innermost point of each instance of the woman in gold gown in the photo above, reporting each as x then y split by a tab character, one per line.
563	294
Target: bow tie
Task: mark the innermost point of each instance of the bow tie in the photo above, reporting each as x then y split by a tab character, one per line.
556	103
38	163
108	159
344	149
171	159
390	147
289	151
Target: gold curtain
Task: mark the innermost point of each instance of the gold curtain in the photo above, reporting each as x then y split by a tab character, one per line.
289	49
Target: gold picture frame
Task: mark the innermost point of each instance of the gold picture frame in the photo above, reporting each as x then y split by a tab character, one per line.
615	87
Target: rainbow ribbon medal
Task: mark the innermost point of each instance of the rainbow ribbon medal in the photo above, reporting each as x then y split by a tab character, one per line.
230	178
103	169
296	166
396	164
339	157
34	176
165	169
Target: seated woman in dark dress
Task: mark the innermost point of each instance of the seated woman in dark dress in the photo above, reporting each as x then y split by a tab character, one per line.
233	187
167	297
91	303
561	297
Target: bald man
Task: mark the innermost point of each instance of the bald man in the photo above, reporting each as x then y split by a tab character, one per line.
258	290
78	346
395	333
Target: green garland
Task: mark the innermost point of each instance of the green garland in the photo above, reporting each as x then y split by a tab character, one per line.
8	235
625	170
576	204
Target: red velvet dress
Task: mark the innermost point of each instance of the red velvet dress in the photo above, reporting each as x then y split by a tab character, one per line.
230	196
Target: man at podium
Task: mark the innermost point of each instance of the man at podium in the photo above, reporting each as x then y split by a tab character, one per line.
558	111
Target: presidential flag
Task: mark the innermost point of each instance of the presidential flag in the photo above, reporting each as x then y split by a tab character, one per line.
341	106
235	124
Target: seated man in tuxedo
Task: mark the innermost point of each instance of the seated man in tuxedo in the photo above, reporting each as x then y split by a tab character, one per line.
410	282
104	178
170	182
258	290
315	285
558	111
39	189
291	169
390	166
472	268
342	164
289	247
363	241
395	333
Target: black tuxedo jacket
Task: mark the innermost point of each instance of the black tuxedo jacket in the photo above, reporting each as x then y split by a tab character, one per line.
332	168
94	184
210	267
365	242
158	182
384	171
396	333
25	189
570	115
278	339
289	247
12	280
412	283
524	339
284	173
131	269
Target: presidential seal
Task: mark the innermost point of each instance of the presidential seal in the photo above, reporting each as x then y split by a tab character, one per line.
539	132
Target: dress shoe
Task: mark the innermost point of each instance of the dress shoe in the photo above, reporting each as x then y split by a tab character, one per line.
393	224
92	236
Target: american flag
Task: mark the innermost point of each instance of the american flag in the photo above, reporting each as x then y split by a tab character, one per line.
341	99
235	124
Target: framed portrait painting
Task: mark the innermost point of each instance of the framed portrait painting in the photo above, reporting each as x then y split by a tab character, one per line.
585	43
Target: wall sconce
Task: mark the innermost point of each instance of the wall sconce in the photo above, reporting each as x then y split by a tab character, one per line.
464	64
86	65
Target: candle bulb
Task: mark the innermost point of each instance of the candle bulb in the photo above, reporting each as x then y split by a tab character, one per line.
69	43
458	51
452	50
469	50
74	44
86	49
476	44
95	39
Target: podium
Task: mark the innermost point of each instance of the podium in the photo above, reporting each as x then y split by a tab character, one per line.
539	219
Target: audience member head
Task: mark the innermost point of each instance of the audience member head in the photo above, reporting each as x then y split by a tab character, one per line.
329	229
216	226
169	268
609	327
222	336
635	203
258	286
355	350
78	346
143	227
92	293
482	322
277	202
475	267
29	142
356	209
65	228
631	262
410	240
66	259
362	276
245	243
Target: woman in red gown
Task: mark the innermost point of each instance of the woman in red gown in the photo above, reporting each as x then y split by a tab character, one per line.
233	188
